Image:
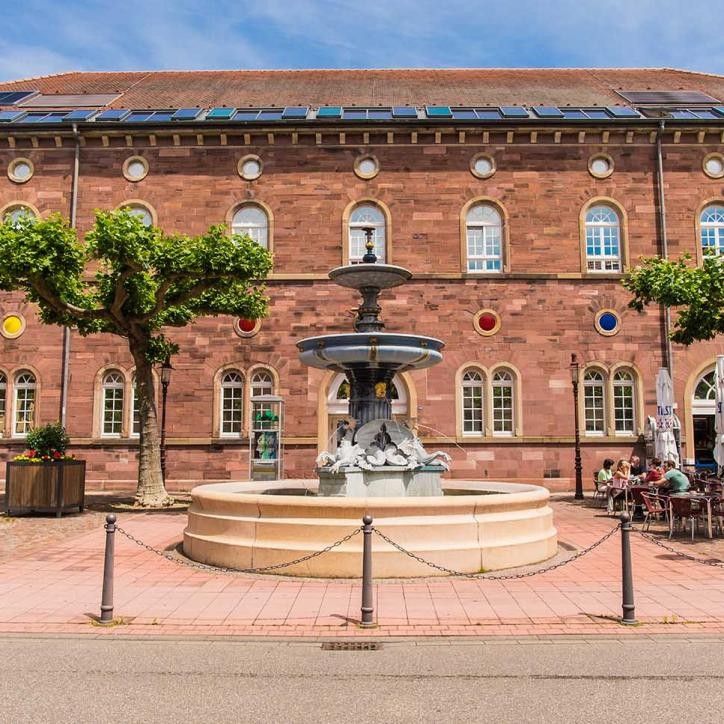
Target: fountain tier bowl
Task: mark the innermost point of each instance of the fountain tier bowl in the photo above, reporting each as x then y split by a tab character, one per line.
400	352
480	526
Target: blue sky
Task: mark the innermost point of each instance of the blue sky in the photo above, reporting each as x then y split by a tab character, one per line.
50	36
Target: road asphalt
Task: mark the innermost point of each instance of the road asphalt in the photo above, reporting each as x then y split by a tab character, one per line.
78	679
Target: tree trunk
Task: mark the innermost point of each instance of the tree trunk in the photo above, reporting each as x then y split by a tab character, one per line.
150	492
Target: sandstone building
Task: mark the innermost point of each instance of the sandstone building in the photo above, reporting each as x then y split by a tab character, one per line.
517	198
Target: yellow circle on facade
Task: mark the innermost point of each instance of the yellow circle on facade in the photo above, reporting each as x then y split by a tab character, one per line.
13	326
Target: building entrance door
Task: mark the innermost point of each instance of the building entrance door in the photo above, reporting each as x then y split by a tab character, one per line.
703	408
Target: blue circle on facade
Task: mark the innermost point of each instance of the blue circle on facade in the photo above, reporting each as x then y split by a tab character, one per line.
608	322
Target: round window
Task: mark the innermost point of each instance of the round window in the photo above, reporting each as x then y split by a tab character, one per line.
607	322
20	170
482	165
135	168
247	327
600	166
366	167
13	325
714	165
486	322
250	167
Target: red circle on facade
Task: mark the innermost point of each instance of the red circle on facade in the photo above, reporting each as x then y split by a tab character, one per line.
487	322
247	325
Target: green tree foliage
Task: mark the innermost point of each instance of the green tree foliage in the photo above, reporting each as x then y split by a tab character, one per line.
133	281
696	292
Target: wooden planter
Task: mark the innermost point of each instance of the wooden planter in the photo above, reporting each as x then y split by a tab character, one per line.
44	487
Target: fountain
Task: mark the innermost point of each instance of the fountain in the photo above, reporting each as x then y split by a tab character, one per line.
380	466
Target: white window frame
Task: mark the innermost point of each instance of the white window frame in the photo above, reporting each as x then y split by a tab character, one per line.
589	384
620	383
596	232
356	238
472	379
3	402
257	230
234	386
713	229
29	390
260	387
503	379
490	228
109	393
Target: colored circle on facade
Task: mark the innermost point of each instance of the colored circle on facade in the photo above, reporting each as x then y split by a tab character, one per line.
486	322
13	325
247	327
607	322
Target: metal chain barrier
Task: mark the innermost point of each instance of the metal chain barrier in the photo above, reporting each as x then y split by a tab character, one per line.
507	577
656	541
223	569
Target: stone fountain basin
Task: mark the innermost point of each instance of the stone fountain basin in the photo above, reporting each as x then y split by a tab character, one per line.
371	350
483	526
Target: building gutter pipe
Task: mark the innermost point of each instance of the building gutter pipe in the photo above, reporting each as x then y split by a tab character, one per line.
65	361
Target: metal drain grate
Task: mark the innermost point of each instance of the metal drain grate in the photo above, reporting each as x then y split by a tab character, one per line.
351	646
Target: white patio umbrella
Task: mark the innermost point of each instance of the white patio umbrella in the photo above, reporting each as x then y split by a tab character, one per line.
665	442
719	413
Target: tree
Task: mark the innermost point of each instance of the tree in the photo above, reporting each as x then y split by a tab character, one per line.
697	292
133	281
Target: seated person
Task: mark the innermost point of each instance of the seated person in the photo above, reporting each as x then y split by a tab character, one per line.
619	482
674	481
636	467
605	473
655	472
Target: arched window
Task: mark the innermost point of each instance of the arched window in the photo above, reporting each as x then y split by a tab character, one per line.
135	414
484	234
594	402
603	240
262	383
712	229
141	211
502	392
24	417
472	407
706	389
15	212
624	402
232	404
113	393
366	216
3	401
251	220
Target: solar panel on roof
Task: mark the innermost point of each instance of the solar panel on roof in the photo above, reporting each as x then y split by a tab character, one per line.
379	114
682	114
9	98
246	115
488	114
114	114
7	116
464	114
138	116
220	114
186	114
44	117
513	112
547	112
719	110
574	114
438	111
79	115
329	112
295	112
598	114
404	112
161	116
355	114
270	115
622	112
665	97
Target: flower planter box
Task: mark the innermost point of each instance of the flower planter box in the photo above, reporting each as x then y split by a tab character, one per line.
44	487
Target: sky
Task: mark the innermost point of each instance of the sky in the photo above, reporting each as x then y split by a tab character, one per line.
42	37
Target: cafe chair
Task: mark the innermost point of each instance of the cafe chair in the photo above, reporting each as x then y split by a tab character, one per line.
655	507
684	509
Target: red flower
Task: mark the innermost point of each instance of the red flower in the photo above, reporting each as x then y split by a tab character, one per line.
57	455
29	453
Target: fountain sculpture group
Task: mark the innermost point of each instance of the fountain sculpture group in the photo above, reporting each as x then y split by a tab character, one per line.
380	467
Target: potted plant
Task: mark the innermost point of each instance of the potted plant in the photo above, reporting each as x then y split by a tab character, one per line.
44	478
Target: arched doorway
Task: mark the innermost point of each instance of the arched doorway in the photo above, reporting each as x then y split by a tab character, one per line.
338	405
703	406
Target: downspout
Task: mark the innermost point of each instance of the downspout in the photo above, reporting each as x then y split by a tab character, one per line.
65	363
664	247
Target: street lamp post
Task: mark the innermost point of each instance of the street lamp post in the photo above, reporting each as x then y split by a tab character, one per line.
166	370
574	368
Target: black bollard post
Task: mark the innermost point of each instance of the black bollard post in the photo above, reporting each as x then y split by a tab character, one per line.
629	612
107	595
368	610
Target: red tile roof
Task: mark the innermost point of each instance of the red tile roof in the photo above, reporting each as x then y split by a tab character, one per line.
475	86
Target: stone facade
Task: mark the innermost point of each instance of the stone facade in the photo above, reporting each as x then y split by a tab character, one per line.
546	301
